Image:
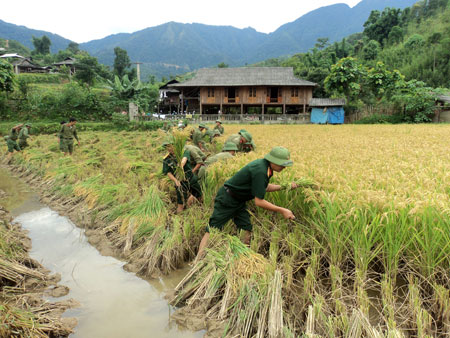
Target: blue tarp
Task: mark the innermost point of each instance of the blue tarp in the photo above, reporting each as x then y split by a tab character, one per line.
336	115
332	115
319	115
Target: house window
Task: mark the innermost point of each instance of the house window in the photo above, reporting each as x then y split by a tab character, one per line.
210	92
294	92
252	92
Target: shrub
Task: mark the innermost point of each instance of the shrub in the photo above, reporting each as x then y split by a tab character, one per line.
380	119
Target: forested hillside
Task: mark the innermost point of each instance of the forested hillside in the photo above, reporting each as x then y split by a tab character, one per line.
409	47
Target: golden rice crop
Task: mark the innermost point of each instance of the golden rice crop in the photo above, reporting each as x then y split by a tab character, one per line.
372	227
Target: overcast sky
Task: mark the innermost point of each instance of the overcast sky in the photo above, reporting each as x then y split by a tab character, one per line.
83	20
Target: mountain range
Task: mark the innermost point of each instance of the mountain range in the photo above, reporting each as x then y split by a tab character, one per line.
173	48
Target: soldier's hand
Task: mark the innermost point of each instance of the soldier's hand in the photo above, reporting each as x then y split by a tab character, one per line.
287	214
177	183
294	185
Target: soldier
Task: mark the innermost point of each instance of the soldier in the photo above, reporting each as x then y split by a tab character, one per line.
197	137
228	151
219	127
251	182
197	158
210	134
66	135
24	135
181	125
243	141
167	126
188	190
11	141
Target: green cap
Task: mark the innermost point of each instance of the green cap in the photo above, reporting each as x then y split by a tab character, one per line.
167	142
279	156
230	146
219	121
201	125
247	136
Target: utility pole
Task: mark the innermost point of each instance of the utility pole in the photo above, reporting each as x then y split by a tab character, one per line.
138	70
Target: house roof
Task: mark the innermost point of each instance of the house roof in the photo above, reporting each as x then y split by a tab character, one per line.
25	63
326	102
244	76
444	98
12	55
166	85
66	61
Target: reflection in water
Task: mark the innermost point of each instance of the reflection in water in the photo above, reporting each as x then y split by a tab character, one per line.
114	303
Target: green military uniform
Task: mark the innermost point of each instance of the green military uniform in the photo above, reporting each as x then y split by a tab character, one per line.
11	141
213	159
230	202
197	138
167	126
190	184
23	136
219	127
66	136
210	134
242	147
196	155
249	182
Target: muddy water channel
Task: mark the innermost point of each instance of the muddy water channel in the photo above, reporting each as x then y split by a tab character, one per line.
114	303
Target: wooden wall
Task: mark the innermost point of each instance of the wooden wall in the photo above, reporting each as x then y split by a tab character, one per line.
302	95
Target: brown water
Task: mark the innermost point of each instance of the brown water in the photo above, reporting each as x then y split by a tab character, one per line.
114	303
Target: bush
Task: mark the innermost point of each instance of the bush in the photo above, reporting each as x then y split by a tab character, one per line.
380	119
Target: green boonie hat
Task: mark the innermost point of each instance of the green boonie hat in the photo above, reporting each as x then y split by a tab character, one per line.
216	132
219	121
247	136
167	142
279	156
230	146
28	124
201	125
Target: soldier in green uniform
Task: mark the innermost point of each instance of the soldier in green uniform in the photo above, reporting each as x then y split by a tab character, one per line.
251	182
188	189
167	126
11	141
24	134
197	137
197	158
219	127
242	140
228	151
210	134
67	133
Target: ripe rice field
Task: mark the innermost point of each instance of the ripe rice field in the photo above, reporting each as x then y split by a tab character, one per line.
368	253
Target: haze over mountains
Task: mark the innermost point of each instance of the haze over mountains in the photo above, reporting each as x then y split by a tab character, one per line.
174	48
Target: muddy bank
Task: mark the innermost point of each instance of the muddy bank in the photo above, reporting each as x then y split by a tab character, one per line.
24	283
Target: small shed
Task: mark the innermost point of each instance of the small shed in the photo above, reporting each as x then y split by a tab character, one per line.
329	111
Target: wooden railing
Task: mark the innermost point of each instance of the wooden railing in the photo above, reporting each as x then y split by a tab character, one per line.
234	118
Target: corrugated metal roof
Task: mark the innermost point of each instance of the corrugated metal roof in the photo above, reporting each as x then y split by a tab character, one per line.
245	76
326	102
444	98
12	55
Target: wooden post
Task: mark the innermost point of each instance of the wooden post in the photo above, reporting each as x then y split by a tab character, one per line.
181	102
262	113
138	70
242	111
